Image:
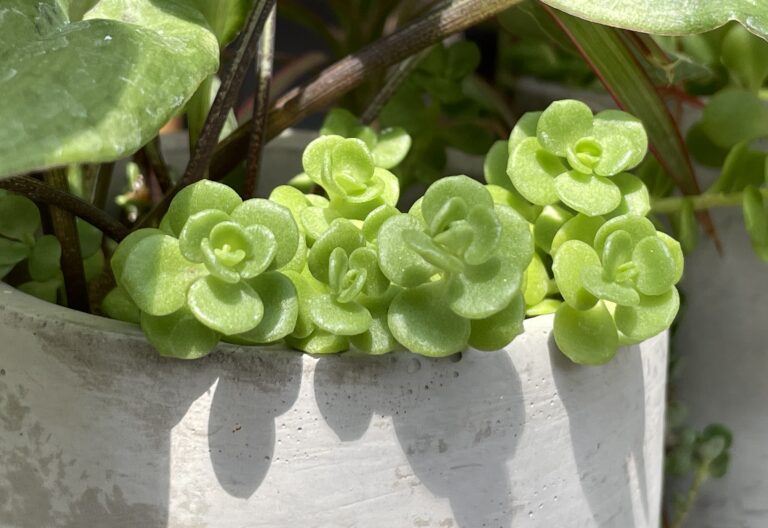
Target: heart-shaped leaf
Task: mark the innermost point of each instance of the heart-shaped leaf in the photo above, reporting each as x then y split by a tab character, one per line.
97	89
588	337
224	307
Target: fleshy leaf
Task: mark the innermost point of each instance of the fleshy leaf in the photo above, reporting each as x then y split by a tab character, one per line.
637	227
635	199
12	252
523	129
125	248
157	276
536	282
45	258
98	89
275	218
569	260
588	194
473	194
548	224
47	290
224	307
341	234
623	140
587	337
422	322
495	165
580	227
179	335
482	290
281	308
593	281
375	219
198	197
655	266
756	221
344	319
498	330
735	116
118	305
90	238
392	147
562	124
198	227
533	170
377	339
653	315
398	261
319	342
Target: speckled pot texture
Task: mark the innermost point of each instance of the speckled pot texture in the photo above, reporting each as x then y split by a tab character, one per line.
97	431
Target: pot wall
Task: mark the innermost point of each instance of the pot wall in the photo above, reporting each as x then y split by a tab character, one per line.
96	430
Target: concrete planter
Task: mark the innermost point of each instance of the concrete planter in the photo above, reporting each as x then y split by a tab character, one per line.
97	431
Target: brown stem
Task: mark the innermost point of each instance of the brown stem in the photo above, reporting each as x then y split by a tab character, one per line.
227	94
349	72
39	192
65	229
103	181
396	76
260	106
343	76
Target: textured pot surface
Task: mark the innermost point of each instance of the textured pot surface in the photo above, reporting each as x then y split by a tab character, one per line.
723	336
97	431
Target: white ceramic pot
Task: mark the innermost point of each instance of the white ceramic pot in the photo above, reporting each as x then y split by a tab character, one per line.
98	431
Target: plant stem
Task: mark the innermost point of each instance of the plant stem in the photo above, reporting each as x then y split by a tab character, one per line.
225	99
395	78
103	181
264	63
352	70
65	229
701	202
154	155
41	193
699	478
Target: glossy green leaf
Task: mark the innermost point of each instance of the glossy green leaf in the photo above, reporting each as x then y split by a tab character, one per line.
391	148
341	234
588	194
305	291
536	282
512	198
319	342
179	335
224	307
224	17
570	259
545	307
277	219
676	251
125	248
516	243
587	337
637	227
548	224
484	289
422	322
98	89
46	290
635	199
377	339
157	276
524	128
495	165
593	280
669	18
622	139
497	331
653	315
197	228
375	219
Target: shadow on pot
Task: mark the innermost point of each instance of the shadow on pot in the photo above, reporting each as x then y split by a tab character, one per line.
589	395
457	423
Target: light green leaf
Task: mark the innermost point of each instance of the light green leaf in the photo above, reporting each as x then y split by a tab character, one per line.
377	339
580	227
281	308
196	228
483	290
118	305
593	281
562	124
319	342
533	170
225	17
498	330
637	227
422	322
157	276
669	18
12	252
224	307
125	248
587	337
653	315
746	57
588	194
392	147
471	192
95	90
495	165
635	199
200	196
375	219
341	234
656	267
90	238
570	259
548	224
536	282
338	318
524	128
47	290
179	335
756	221
398	261
623	141
277	219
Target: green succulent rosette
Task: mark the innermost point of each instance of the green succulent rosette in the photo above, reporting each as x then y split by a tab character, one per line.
618	287
343	294
567	155
212	271
459	259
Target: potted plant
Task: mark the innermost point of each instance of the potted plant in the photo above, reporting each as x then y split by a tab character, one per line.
116	431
